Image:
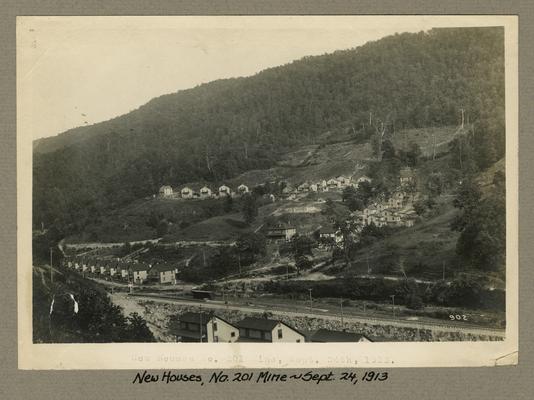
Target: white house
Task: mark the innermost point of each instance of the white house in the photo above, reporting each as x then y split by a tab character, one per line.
242	189
224	191
163	273
140	272
186	193
267	330
220	330
332	183
343	181
165	191
313	187
205	192
93	268
124	271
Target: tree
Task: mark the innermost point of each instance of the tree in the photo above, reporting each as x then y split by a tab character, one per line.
137	330
250	246
388	150
352	199
250	208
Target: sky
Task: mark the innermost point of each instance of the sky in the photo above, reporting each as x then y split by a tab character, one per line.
75	71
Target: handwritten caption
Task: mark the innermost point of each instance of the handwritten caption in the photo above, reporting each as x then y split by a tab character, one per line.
351	377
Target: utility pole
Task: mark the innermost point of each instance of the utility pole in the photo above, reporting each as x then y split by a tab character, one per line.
200	318
311	300
393	299
341	303
462	110
51	269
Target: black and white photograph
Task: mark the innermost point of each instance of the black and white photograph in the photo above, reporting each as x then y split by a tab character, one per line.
248	180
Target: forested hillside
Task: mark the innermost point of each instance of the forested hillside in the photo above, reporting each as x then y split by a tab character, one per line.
220	129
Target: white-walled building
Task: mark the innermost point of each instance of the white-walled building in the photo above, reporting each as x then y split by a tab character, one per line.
205	192
224	191
165	191
186	193
220	330
267	330
242	189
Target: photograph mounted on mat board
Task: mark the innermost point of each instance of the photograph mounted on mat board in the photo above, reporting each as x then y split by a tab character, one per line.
192	190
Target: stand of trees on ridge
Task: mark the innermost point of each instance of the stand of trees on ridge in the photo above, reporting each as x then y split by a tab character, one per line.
220	129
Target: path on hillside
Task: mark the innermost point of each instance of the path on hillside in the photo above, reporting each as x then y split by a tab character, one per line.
215	305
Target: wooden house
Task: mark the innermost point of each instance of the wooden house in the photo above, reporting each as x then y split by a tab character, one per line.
331	336
267	330
163	273
281	232
224	191
332	184
220	330
139	272
186	193
165	191
242	189
190	327
205	192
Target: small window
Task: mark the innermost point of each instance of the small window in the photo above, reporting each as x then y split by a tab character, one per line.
232	334
298	340
215	326
279	333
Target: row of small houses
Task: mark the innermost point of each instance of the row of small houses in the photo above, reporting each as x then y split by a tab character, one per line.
211	328
204	192
326	185
136	272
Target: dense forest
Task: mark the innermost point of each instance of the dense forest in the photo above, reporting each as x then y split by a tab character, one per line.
220	129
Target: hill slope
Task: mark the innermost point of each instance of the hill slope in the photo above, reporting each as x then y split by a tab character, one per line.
218	130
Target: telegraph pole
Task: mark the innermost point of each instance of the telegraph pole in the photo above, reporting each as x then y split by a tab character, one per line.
341	303
393	299
311	300
51	270
462	110
200	318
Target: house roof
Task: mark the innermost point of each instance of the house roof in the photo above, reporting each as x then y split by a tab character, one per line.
325	335
139	267
162	268
262	324
195	317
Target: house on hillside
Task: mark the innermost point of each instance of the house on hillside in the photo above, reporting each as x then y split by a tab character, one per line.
313	187
191	327
113	268
281	232
224	191
304	187
364	178
242	189
102	269
267	330
329	336
93	267
165	191
332	184
85	267
220	330
205	192
397	200
163	273
328	232
343	181
139	272
124	271
322	186
407	175
186	193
